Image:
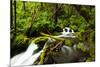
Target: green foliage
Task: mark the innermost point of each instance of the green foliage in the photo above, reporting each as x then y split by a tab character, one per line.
51	18
68	42
42	58
82	47
21	39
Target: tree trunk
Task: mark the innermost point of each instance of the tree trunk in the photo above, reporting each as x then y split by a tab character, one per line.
82	13
24	7
56	14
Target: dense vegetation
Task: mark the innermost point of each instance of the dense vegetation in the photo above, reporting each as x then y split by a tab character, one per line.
29	19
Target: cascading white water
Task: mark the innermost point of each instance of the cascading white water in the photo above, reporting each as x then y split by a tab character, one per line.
23	58
28	58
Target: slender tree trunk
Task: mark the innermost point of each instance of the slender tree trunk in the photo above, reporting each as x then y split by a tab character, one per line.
31	24
82	13
15	18
24	7
11	12
13	24
56	14
41	6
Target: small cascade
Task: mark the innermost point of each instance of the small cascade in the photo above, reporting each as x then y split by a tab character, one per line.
22	58
67	32
28	57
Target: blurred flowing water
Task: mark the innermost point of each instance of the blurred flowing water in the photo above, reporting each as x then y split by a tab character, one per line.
28	57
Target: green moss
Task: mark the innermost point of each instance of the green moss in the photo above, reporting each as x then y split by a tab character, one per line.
81	46
21	39
68	42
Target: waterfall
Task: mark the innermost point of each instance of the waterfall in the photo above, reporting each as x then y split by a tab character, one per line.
28	58
22	58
